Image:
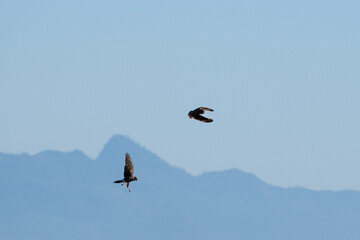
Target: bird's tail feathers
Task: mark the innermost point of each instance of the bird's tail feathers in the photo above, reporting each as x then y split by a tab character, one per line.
119	181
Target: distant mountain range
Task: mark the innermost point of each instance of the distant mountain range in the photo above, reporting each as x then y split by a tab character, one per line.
65	195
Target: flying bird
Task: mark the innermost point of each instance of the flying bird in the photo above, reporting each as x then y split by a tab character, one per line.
196	114
128	172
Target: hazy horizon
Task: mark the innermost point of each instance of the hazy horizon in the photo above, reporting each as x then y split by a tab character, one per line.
115	136
56	195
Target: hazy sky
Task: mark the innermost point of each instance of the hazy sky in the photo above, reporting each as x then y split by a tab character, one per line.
282	76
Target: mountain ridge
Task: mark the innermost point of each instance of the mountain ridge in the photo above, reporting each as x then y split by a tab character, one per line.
55	195
115	148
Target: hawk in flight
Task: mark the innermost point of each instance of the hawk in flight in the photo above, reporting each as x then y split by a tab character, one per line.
196	114
128	172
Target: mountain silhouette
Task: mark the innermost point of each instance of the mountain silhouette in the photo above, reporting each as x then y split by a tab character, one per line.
66	195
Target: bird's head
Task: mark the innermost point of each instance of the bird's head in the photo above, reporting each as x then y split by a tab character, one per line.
190	114
135	178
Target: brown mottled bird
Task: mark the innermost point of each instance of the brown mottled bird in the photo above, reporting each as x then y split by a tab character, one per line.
128	172
196	114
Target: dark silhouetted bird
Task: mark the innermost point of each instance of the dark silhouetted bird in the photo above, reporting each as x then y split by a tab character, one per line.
196	114
128	172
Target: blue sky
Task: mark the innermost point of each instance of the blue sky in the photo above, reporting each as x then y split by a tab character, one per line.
282	77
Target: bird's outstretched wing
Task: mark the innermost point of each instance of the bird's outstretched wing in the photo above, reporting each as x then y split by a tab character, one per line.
129	167
203	119
206	108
